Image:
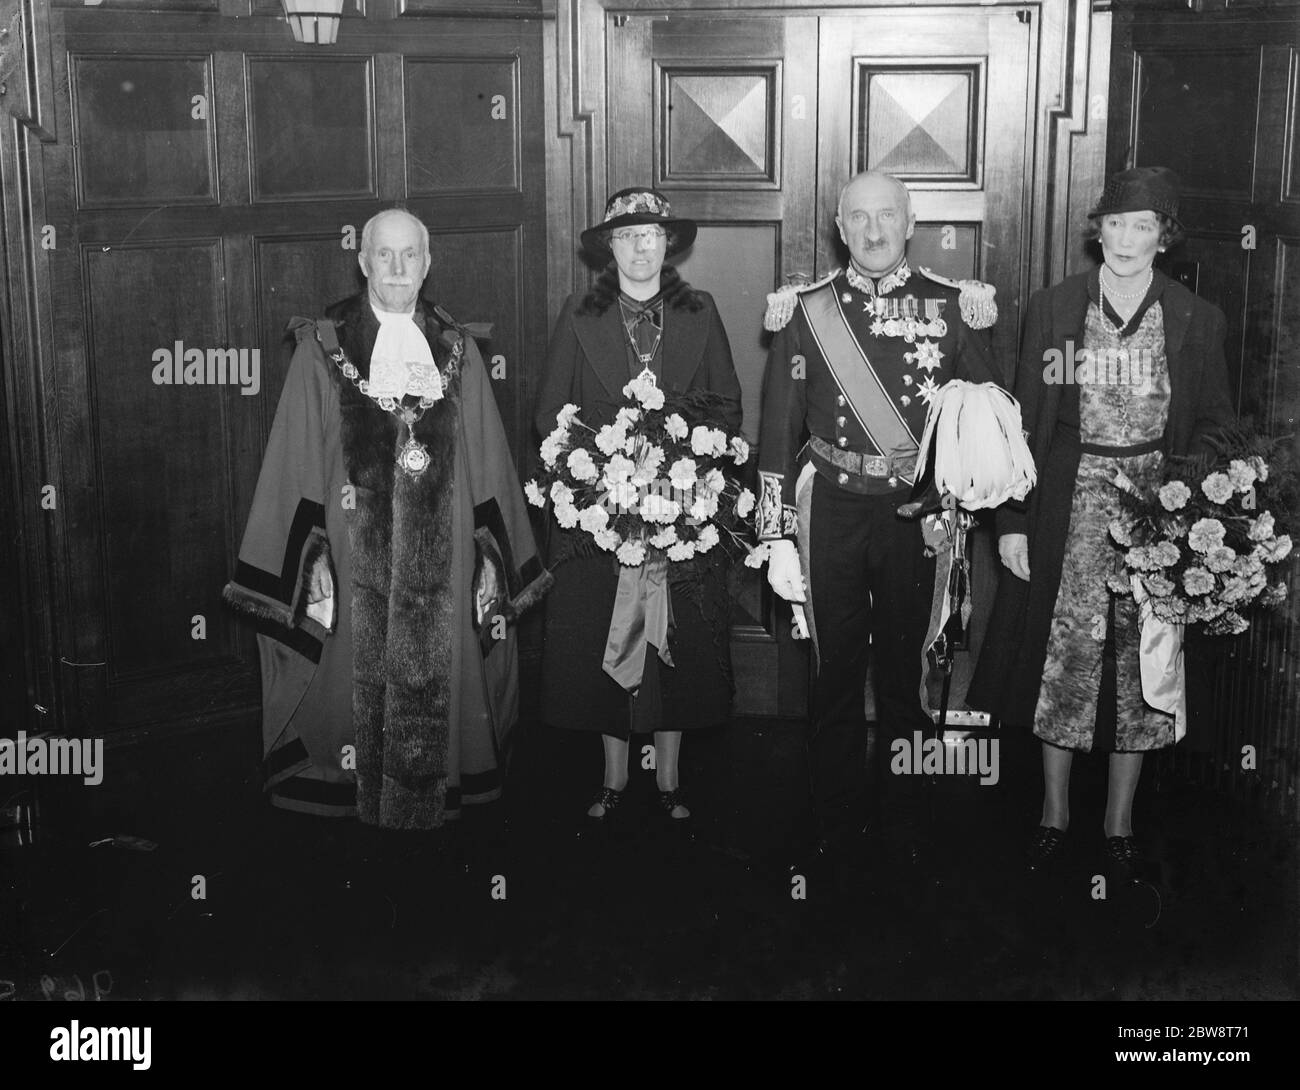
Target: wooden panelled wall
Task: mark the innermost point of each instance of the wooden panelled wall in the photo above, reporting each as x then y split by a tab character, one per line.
185	175
1068	87
1215	95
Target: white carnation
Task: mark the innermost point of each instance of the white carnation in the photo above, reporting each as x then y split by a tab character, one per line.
581	465
702	440
1241	475
622	497
610	439
705	506
631	553
618	470
676	426
708	537
665	537
551	447
593	519
566	515
1261	528
652	458
534	494
657	508
682	474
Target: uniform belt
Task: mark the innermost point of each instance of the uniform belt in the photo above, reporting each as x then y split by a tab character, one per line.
863	465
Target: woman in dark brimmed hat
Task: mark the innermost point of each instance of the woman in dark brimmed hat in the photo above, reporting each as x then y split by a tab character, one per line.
638	314
1062	653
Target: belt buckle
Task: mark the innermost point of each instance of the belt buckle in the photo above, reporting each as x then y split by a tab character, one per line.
875	465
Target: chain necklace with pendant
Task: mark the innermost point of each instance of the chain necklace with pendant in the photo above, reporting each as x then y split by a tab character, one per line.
413	458
646	358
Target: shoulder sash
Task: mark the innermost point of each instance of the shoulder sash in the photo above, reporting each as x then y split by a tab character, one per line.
862	388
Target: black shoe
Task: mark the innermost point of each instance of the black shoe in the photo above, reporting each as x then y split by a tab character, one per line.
1045	847
607	798
1124	858
668	801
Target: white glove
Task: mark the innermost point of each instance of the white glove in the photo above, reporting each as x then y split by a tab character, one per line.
784	574
1013	549
320	594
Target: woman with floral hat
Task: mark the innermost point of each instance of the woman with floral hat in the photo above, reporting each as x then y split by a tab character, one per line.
639	316
1119	367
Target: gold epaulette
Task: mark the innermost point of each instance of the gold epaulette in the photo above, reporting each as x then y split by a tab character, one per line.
978	310
780	303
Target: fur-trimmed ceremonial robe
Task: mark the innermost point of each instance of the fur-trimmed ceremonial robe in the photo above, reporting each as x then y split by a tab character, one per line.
390	681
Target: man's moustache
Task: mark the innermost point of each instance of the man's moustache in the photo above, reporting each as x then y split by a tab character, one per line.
397	282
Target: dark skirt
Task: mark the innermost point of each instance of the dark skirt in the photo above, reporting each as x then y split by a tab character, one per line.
693	693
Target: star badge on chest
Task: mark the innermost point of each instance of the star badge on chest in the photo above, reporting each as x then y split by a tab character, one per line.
927	389
927	357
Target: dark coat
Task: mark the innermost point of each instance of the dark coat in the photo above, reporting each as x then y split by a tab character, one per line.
587	365
1010	669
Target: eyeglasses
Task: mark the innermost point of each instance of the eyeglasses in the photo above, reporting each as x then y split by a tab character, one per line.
630	235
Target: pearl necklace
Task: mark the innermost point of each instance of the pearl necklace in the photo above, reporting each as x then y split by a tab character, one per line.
1115	294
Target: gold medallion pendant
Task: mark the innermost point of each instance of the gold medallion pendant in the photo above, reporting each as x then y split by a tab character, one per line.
413	458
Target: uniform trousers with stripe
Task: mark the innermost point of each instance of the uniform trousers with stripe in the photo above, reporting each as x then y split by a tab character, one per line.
871	587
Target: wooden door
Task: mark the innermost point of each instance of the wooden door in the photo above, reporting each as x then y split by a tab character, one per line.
1216	97
194	181
941	100
751	123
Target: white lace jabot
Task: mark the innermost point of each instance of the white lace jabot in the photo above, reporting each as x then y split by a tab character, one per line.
402	359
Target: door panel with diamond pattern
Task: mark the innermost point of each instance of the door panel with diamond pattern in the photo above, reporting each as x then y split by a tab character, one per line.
750	124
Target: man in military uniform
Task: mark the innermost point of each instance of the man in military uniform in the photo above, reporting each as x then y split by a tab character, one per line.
855	361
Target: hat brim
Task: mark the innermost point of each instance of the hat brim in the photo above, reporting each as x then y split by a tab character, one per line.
1102	210
596	239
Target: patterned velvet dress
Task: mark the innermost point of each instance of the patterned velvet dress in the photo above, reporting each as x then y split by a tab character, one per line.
1091	693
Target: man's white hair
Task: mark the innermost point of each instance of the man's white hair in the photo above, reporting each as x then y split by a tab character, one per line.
367	230
907	196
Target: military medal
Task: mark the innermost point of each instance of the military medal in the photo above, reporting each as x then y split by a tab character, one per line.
927	356
928	389
936	326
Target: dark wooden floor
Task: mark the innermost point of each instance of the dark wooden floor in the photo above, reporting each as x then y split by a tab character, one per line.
310	908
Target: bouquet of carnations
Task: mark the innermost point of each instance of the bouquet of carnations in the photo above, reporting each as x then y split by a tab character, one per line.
659	483
1206	543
